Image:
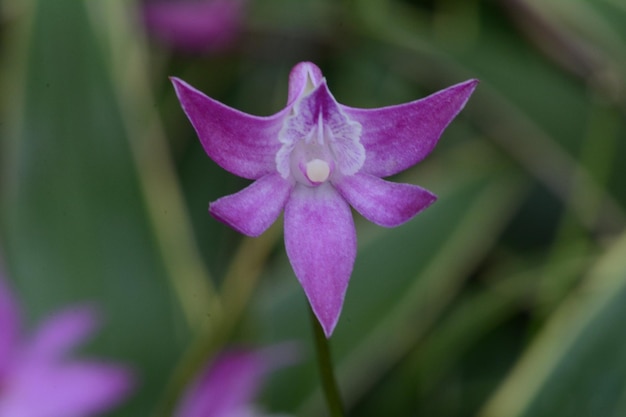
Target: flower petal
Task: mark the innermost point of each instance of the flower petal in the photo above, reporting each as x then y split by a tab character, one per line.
320	239
382	202
398	137
61	390
303	78
242	144
252	210
9	325
61	333
229	384
195	26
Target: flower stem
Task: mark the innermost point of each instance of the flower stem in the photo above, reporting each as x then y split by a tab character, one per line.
324	362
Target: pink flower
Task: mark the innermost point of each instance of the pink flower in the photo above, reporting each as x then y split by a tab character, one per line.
315	159
37	379
228	386
194	26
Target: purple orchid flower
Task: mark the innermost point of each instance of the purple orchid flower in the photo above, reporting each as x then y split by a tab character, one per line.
228	386
36	377
315	159
195	26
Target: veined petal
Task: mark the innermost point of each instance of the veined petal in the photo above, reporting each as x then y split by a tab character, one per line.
382	202
318	120
252	210
397	137
303	79
320	239
61	332
242	144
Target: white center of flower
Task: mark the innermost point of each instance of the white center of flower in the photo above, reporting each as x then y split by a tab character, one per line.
317	170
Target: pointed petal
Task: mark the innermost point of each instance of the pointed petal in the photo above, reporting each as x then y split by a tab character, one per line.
62	332
303	79
242	144
382	202
252	210
321	244
9	325
398	137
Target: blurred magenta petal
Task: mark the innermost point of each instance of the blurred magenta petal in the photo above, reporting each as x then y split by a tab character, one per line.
61	389
9	326
320	147
61	332
39	379
229	385
195	26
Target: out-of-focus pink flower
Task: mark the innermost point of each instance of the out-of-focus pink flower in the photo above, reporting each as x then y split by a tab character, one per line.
38	379
228	386
195	25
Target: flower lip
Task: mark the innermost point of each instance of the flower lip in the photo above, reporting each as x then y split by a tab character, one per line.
318	138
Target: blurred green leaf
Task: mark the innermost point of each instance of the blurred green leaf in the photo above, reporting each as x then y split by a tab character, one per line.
74	220
576	366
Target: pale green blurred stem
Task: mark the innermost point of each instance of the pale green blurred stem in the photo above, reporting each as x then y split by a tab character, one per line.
163	197
325	367
597	155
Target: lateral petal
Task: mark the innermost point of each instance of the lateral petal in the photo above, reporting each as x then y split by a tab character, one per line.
252	210
382	202
242	144
320	239
397	137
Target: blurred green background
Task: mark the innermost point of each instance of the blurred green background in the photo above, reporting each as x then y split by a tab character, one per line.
506	298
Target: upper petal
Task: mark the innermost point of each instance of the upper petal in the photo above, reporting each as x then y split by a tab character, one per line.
320	239
303	79
397	137
382	202
252	210
242	144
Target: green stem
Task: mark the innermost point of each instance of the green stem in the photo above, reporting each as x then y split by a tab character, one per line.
324	362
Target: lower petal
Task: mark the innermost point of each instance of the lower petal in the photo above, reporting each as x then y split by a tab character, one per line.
252	210
320	239
382	202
